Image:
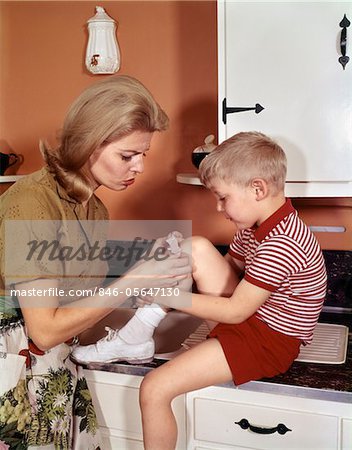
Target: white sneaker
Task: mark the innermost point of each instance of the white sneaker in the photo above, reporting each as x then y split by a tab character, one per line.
112	348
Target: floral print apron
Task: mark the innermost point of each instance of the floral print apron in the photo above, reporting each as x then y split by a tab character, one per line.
44	398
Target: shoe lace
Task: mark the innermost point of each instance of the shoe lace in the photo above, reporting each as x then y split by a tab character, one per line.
112	333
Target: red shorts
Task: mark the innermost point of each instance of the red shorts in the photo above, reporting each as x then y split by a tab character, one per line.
253	350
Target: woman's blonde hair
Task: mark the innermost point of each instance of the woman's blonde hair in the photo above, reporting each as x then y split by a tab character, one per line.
103	113
244	157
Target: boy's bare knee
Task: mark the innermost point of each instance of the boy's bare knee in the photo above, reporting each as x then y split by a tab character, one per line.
149	390
152	391
144	393
200	246
195	245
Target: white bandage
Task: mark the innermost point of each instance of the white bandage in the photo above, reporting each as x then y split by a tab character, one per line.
172	243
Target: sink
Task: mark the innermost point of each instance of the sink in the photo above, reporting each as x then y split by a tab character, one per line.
170	334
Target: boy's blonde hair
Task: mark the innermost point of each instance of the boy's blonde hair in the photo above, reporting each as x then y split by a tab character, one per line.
244	157
103	113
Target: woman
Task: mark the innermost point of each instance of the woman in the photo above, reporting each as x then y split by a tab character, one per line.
106	134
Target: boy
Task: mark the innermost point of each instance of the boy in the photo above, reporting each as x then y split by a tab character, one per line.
264	314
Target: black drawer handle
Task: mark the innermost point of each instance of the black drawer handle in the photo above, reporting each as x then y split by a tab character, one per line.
344	24
280	428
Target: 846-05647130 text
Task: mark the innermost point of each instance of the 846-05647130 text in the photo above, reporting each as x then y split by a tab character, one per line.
137	292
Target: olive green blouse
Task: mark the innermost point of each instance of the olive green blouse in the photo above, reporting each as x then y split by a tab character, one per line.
44	233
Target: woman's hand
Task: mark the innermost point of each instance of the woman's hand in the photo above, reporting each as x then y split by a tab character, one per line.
159	272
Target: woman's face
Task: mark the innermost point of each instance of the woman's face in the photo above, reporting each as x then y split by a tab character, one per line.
116	165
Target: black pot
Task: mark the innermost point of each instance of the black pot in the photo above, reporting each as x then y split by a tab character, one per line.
6	161
197	158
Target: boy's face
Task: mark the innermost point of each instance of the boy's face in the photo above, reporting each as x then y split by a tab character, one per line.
238	203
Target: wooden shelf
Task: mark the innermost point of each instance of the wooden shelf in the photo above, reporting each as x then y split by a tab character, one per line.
188	178
320	193
10	178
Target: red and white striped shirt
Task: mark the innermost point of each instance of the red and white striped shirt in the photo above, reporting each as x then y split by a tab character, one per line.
283	256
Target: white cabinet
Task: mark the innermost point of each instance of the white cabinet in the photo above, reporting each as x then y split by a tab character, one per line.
284	57
115	398
346	429
269	421
207	418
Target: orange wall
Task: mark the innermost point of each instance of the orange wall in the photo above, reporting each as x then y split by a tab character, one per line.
171	47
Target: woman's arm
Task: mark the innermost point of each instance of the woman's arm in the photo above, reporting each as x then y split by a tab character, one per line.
49	324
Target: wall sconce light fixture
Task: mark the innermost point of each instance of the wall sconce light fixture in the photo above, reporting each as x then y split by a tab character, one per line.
103	54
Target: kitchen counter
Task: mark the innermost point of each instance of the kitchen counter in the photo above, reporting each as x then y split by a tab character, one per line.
315	381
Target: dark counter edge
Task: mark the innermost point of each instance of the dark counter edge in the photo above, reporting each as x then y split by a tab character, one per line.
332	382
254	386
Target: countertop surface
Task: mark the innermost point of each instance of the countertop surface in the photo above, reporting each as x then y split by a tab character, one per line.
317	381
331	382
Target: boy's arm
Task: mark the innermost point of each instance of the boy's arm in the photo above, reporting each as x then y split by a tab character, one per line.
235	263
244	302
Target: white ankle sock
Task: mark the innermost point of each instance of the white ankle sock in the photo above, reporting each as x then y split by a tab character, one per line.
141	327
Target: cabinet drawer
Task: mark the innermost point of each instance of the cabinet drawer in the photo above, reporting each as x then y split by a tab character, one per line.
214	421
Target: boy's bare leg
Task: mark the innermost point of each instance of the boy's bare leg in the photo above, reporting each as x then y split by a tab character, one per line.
212	273
201	366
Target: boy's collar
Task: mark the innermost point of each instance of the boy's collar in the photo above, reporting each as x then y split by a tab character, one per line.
263	230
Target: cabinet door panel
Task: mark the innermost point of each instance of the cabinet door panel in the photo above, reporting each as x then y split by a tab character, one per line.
284	56
115	397
222	448
111	442
346	434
